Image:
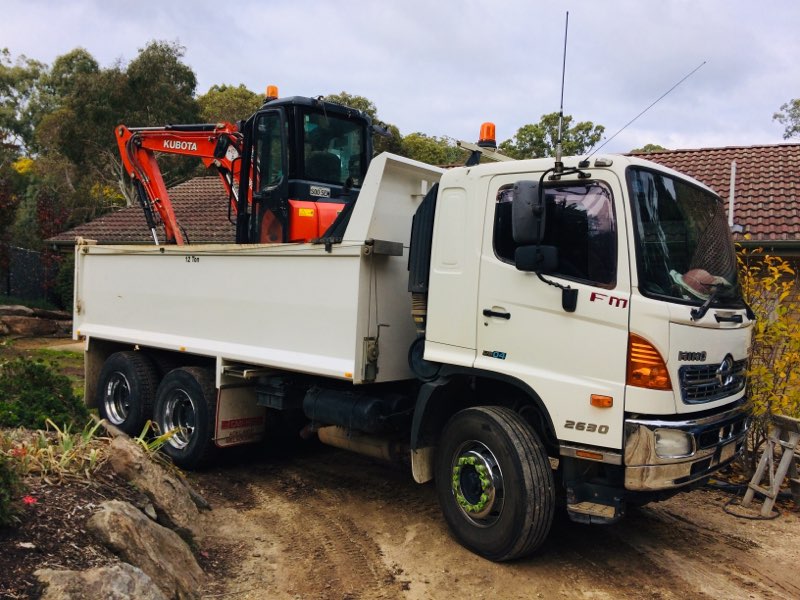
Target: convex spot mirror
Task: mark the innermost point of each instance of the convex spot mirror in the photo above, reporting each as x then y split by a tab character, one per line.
527	213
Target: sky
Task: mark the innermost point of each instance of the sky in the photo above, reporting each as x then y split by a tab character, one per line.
442	67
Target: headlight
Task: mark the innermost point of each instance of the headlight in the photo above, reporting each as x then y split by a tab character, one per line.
674	443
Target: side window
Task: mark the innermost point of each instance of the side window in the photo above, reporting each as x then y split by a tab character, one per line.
579	223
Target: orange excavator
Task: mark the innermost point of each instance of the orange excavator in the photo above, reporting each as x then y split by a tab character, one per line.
292	170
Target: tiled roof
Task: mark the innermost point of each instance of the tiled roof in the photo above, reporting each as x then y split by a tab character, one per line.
201	207
766	191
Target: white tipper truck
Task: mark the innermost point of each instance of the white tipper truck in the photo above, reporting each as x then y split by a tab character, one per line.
527	336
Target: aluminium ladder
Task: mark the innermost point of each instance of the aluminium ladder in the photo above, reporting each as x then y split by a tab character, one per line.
786	433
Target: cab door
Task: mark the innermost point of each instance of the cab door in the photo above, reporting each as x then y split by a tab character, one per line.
524	330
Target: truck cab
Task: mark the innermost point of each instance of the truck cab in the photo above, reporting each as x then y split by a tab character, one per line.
602	303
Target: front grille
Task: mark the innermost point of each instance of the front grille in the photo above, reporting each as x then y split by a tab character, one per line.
705	383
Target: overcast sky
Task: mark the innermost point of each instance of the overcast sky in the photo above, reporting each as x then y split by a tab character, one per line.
442	67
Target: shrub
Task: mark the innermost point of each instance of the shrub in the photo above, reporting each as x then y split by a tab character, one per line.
9	489
769	287
31	392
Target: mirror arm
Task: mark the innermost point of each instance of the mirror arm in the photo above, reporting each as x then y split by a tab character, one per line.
569	295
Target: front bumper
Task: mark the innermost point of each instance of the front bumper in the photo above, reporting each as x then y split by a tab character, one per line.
716	441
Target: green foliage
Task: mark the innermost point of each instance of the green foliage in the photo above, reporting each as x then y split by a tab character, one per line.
18	90
228	103
649	148
62	120
9	487
31	392
538	140
769	287
432	150
65	282
789	117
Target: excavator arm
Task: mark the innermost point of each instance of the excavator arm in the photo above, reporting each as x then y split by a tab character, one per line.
218	145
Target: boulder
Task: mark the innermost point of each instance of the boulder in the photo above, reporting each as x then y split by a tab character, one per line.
28	326
16	310
117	582
53	315
171	497
156	550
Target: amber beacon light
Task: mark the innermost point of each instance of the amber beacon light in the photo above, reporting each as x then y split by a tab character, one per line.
488	138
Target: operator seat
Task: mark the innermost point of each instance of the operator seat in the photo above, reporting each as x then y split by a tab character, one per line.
324	166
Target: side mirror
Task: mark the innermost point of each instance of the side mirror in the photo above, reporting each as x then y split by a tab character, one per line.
536	259
527	213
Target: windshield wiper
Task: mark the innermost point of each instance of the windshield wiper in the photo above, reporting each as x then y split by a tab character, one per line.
700	312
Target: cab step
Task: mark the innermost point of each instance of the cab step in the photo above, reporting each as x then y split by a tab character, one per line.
594	513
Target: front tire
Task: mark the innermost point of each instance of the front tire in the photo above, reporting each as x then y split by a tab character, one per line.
494	483
126	390
186	404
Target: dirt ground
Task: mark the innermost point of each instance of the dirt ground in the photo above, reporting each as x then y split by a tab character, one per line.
331	525
326	524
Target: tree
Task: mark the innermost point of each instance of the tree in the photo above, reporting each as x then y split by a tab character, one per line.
354	101
432	150
539	139
161	86
19	80
789	117
649	148
228	103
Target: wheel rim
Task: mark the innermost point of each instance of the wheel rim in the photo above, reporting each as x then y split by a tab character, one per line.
179	415
117	398
477	483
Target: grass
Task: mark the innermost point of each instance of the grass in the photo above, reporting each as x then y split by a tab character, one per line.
66	362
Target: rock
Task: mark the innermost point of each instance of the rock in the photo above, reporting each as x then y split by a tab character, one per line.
28	326
117	582
16	311
53	315
156	550
171	497
63	327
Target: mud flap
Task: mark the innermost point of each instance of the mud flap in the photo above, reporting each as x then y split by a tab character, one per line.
239	418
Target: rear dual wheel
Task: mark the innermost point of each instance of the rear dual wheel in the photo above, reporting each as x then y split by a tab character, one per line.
126	390
494	483
186	406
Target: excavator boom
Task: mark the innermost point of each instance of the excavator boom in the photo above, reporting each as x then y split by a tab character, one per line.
217	145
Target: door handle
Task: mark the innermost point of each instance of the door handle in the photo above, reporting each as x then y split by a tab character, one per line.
731	319
493	313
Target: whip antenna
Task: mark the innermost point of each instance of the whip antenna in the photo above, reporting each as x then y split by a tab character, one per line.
559	168
659	99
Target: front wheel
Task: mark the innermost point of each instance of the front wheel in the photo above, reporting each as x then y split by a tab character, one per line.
494	483
186	406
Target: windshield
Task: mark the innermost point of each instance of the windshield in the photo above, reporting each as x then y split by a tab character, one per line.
684	246
333	149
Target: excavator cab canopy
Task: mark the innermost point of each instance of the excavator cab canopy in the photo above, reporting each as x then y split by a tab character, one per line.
310	159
